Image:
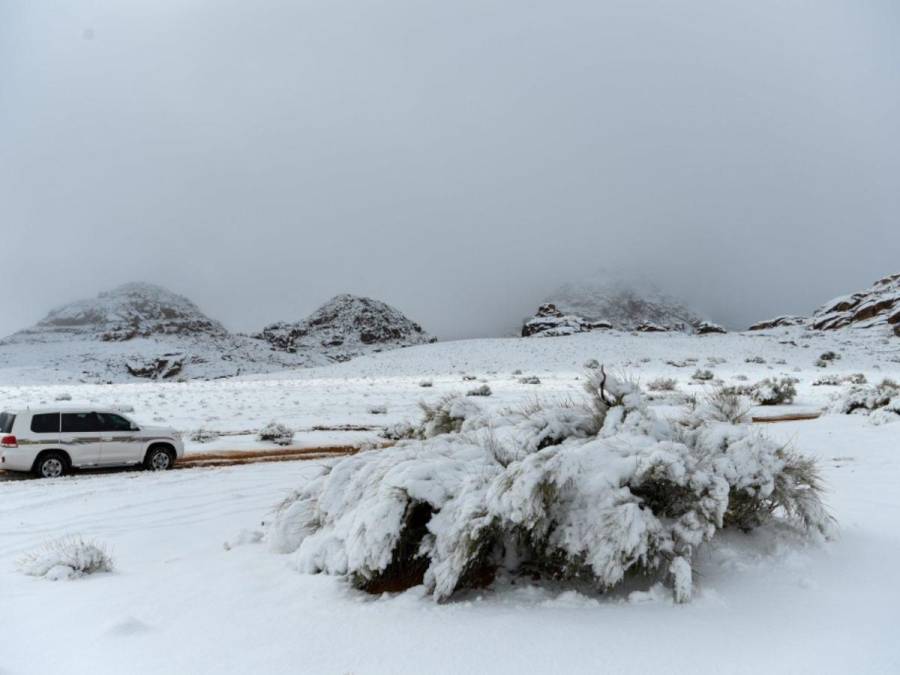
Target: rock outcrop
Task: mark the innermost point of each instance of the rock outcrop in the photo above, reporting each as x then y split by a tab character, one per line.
709	328
346	326
611	303
778	322
876	306
548	321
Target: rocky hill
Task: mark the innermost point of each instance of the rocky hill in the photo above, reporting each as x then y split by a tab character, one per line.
611	303
126	312
344	327
137	330
875	307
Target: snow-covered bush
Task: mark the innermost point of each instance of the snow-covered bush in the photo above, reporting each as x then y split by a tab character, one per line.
774	391
399	431
483	390
724	404
377	410
426	383
591	364
662	384
883	397
64	396
754	359
597	492
702	375
469	378
827	357
834	380
66	558
276	433
530	379
203	435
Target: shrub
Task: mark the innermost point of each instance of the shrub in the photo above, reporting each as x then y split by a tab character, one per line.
591	364
589	492
64	396
469	378
827	357
835	380
399	431
276	433
774	391
702	375
426	383
483	390
754	359
203	436
446	416
530	379
377	410
663	384
861	399
66	558
725	404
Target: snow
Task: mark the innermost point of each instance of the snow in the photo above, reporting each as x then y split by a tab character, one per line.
179	602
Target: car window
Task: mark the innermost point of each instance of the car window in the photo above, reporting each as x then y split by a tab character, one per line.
111	422
45	423
78	422
6	422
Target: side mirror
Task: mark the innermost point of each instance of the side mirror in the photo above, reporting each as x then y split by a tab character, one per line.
135	427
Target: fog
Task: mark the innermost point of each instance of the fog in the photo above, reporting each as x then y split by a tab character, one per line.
456	159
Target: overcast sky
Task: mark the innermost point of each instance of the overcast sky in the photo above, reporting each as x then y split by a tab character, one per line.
458	159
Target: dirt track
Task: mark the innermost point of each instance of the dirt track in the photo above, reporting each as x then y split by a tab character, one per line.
792	417
234	457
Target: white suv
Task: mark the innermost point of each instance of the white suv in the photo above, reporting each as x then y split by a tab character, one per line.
51	441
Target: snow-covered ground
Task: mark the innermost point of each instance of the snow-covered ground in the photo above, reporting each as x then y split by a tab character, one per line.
180	601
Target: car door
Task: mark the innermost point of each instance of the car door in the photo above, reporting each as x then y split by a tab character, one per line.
80	436
119	443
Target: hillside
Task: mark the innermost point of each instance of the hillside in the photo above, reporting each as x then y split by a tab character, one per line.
344	327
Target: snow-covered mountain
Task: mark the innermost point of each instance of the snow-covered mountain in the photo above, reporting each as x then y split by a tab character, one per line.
126	312
137	330
605	301
875	307
145	331
344	327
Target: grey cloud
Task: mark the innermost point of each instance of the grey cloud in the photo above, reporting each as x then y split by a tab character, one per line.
456	159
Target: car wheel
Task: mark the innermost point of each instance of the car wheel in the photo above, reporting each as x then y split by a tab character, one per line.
159	459
51	465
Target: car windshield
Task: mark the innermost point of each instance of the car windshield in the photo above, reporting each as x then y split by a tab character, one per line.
6	422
